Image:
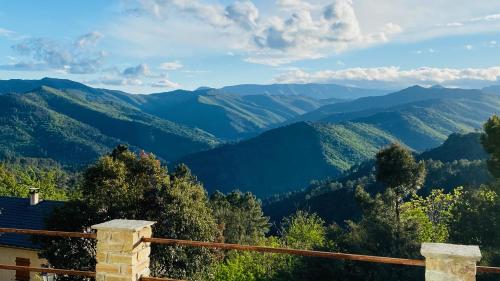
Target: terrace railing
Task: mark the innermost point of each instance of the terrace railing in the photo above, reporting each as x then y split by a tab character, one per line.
123	249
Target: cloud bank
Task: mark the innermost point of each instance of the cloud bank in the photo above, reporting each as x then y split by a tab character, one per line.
303	31
44	54
394	77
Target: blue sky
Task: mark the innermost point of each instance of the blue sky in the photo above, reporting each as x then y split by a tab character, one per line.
145	46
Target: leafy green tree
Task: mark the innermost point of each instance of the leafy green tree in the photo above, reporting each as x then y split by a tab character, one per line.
240	217
301	230
432	214
397	169
491	143
377	233
16	180
182	211
477	222
123	185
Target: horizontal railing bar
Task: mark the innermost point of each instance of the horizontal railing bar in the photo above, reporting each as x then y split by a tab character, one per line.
263	249
49	233
306	253
488	269
159	279
49	270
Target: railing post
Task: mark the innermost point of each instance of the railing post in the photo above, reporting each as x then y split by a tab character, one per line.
121	255
448	262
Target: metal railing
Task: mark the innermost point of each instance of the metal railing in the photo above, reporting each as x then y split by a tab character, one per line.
214	245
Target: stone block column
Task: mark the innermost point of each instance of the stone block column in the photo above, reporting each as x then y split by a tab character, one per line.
121	255
448	262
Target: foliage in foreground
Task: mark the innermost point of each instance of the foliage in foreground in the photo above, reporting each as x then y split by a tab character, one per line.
17	179
392	222
124	185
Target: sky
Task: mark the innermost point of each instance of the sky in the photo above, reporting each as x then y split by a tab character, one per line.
147	46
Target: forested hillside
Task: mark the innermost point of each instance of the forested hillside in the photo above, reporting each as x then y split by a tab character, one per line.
286	158
346	139
75	127
379	103
316	91
460	161
229	116
211	130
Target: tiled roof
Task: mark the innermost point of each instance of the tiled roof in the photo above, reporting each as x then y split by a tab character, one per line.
18	213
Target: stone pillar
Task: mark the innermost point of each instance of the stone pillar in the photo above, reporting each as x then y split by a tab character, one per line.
448	262
120	255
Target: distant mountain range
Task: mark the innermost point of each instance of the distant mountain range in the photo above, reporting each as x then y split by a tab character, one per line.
459	161
262	138
315	91
287	158
75	125
368	105
283	159
229	116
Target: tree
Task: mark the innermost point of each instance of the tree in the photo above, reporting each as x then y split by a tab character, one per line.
182	211
477	222
123	185
490	140
397	169
16	180
240	217
377	233
301	230
432	214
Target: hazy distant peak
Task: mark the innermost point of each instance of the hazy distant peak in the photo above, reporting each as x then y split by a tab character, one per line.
437	86
204	88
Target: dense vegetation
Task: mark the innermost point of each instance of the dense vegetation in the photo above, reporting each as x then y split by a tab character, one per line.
374	193
392	210
16	179
460	161
321	91
229	116
75	126
287	158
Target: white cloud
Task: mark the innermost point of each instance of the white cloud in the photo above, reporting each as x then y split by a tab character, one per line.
5	32
137	71
46	54
171	65
293	30
491	17
89	39
308	32
165	83
294	4
454	24
244	13
393	76
117	81
425	51
468	47
486	19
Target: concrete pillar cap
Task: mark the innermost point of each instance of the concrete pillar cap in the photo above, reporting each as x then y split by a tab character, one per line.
442	250
123	225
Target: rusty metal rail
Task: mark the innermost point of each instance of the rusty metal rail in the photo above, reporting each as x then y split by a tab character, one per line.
305	253
159	279
49	270
488	269
225	246
49	233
